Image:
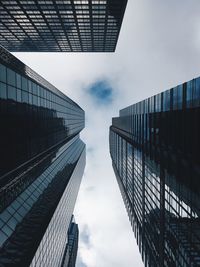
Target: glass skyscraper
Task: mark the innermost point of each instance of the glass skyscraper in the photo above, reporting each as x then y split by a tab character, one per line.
41	165
154	146
61	26
69	259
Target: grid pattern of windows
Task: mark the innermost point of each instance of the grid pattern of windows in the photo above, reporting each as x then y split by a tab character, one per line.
42	162
159	173
72	25
52	246
69	259
39	117
21	210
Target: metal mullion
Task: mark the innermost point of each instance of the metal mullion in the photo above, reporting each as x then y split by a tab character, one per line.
6	39
66	34
76	21
45	20
30	19
8	27
91	23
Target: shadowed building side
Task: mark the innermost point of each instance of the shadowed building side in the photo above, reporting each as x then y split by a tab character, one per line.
41	167
61	26
69	259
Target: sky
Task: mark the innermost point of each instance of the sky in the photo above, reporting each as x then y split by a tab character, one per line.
158	48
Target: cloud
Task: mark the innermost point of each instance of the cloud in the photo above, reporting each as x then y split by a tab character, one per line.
79	262
90	188
85	236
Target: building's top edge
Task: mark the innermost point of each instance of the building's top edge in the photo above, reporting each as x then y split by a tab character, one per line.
78	52
18	66
136	103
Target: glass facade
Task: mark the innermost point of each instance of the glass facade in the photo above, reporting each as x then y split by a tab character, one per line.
61	26
42	162
69	259
154	146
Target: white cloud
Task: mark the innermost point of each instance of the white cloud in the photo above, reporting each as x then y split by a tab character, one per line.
159	47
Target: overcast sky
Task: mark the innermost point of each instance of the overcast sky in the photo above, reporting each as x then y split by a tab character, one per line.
158	48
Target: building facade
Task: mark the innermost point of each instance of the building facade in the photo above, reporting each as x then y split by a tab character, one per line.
61	26
154	146
42	162
69	259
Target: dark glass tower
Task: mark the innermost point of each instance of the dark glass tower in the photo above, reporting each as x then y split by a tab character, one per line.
42	162
154	146
61	26
69	259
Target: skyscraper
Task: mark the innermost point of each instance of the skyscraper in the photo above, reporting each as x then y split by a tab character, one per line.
61	26
154	146
42	162
69	259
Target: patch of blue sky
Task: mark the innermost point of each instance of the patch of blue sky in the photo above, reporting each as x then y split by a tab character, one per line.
102	92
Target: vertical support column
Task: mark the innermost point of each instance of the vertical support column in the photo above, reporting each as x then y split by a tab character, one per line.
143	184
162	214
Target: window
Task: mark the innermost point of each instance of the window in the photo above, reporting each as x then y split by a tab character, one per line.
166	100
188	93
3	90
197	93
10	77
29	86
2	73
12	92
19	81
19	95
24	97
24	84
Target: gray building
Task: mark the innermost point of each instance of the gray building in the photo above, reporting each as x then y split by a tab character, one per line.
41	166
154	146
61	26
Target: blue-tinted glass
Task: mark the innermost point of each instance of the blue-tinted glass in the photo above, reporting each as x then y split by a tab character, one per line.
41	92
30	99
196	93
197	88
179	96
19	80
166	100
45	93
29	86
3	237
152	104
38	90
10	77
12	92
7	230
38	101
19	95
174	97
158	102
24	84
34	88
3	90
12	223
24	97
189	94
2	73
5	216
34	100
